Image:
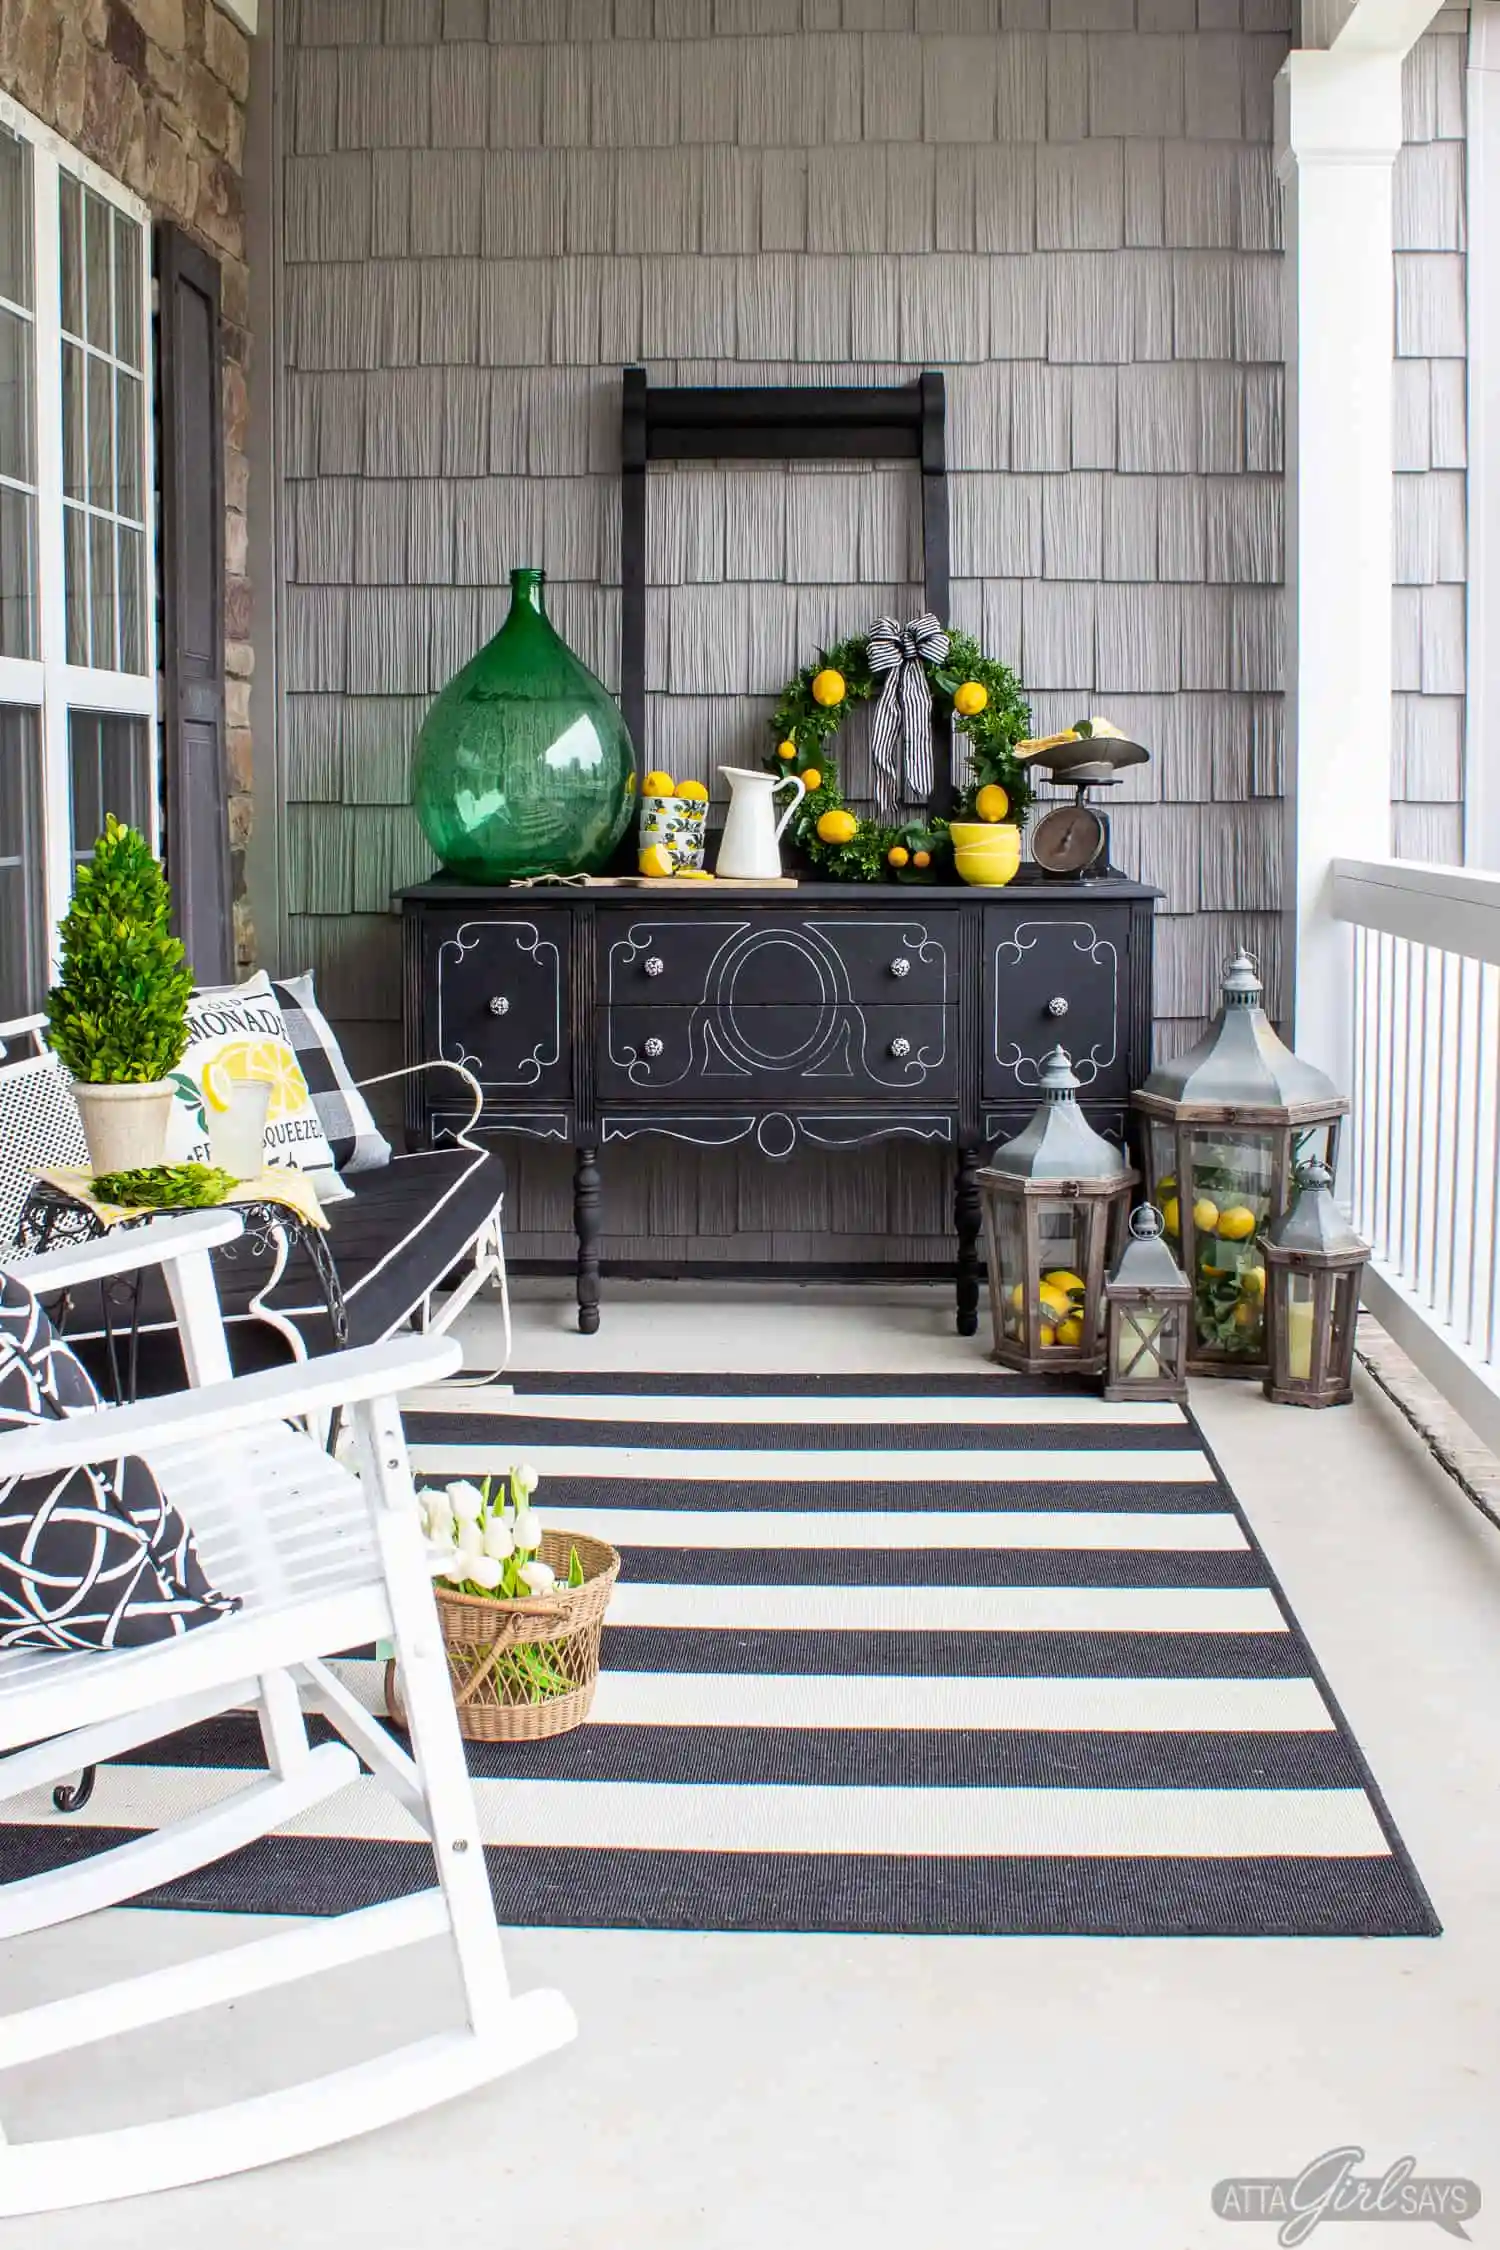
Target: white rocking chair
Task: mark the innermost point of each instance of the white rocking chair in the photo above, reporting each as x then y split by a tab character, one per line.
325	1560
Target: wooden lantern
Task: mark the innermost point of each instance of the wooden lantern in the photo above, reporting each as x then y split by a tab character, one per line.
1227	1124
1314	1263
1147	1299
1054	1199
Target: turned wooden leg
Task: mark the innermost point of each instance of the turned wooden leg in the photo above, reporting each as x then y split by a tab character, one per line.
586	1225
966	1220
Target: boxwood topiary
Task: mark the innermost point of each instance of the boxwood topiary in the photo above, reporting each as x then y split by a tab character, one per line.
118	1014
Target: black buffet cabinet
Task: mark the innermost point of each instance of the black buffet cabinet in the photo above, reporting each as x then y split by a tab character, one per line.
773	1018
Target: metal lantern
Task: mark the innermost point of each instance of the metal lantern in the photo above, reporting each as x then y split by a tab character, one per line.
1226	1125
1146	1301
1054	1198
1314	1262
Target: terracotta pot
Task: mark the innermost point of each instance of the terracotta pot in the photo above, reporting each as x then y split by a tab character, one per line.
125	1126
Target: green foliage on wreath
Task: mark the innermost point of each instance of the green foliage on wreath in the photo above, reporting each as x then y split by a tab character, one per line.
991	735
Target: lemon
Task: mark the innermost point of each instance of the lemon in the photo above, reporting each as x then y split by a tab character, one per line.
837	827
786	749
828	688
654	861
811	779
1055	1301
1169	1214
1253	1281
1070	1331
921	859
1246	1314
270	1061
898	855
992	802
1047	1338
1017	1297
1205	1215
694	875
1060	1278
1166	1187
658	785
692	792
1237	1224
969	699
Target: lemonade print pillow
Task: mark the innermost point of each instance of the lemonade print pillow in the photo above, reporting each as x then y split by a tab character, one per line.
238	1031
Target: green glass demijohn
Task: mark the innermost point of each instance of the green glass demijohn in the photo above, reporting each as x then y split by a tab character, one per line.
524	764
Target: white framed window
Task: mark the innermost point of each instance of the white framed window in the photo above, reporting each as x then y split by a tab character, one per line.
78	688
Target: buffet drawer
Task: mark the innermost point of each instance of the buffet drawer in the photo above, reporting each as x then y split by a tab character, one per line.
1055	979
780	1052
499	998
732	960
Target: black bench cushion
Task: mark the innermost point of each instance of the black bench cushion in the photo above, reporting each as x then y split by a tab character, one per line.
405	1228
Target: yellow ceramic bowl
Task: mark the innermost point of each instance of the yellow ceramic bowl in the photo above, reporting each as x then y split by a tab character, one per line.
987	853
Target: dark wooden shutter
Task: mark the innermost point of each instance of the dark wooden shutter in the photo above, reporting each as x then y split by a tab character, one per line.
191	458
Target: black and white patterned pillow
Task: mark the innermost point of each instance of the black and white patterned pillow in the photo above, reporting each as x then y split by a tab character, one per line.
95	1558
349	1128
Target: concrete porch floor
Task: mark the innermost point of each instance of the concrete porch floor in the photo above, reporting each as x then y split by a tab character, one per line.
728	2091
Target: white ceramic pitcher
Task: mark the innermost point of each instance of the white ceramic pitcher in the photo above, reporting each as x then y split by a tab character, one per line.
751	829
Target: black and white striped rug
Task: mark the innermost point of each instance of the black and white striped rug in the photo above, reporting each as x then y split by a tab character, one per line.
945	1655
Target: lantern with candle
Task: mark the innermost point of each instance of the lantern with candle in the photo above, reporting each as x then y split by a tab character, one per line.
1314	1261
1226	1124
1054	1199
1146	1302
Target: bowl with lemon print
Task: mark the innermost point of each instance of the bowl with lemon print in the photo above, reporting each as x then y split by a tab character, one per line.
673	819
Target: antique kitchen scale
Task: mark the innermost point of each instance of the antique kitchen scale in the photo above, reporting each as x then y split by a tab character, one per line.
1070	843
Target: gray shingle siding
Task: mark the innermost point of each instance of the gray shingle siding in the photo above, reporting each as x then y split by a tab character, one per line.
1068	204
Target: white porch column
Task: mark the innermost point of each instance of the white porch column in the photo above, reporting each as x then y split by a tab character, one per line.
1338	127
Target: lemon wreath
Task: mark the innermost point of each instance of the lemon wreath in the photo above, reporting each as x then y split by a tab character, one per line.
987	707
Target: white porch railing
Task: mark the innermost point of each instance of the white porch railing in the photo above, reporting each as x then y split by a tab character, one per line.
1423	1167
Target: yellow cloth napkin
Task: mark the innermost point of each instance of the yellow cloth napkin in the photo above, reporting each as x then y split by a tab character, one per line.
281	1183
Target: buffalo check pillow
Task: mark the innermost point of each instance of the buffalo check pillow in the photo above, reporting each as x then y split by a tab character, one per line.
92	1558
356	1141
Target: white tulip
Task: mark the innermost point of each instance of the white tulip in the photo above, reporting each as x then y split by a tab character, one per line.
528	1531
470	1539
466	1501
484	1571
539	1576
497	1539
437	1516
439	1562
525	1478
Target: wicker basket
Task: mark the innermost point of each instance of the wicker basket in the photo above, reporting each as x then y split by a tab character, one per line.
479	1630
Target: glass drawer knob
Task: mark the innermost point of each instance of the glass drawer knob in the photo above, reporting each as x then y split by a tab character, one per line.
900	1047
1057	1006
901	967
654	965
499	1006
653	1048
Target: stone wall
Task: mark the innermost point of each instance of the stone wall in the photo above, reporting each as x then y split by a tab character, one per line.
155	92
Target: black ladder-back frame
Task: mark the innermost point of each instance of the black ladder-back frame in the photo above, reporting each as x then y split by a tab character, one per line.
886	422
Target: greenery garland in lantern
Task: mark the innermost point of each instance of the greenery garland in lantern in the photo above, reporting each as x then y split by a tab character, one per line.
988	709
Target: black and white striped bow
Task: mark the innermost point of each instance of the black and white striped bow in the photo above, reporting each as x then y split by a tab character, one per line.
901	736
